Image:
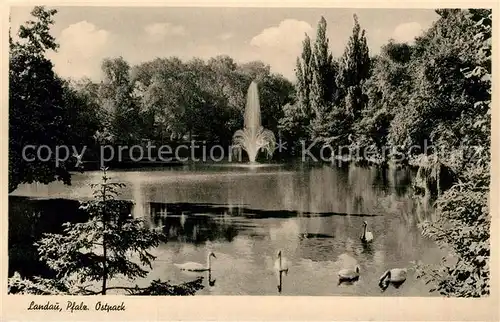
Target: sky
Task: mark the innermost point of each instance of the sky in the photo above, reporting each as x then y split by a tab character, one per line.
87	35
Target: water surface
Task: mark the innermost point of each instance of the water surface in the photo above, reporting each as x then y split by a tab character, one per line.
314	214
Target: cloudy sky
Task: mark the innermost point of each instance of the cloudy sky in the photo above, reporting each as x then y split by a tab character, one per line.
88	34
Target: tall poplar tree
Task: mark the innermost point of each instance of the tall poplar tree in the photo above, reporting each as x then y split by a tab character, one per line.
323	87
354	70
304	76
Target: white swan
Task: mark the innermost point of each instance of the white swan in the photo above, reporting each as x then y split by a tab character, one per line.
197	267
367	235
281	264
349	274
394	276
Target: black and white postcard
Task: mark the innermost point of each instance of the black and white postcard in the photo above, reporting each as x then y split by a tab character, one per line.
249	161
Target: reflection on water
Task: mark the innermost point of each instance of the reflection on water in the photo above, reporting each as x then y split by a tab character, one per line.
314	214
181	223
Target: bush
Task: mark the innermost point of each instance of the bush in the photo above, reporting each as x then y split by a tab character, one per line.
462	227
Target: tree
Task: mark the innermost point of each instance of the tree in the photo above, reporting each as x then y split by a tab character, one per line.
109	244
462	221
82	106
462	227
203	99
304	75
255	70
388	90
293	123
37	111
158	84
275	92
117	98
354	69
323	88
94	123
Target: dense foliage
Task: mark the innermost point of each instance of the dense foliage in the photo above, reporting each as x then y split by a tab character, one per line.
161	100
203	99
329	91
408	97
463	218
167	99
43	109
426	104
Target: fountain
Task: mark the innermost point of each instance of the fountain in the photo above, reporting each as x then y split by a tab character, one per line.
253	137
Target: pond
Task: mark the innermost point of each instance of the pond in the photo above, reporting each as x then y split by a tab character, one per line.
314	214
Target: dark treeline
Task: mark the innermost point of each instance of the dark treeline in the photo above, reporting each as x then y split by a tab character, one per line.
433	92
436	91
428	93
164	100
168	99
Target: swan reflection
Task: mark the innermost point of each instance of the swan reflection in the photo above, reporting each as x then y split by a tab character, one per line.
211	282
280	281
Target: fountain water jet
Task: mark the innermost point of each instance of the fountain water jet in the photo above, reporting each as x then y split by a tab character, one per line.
253	137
